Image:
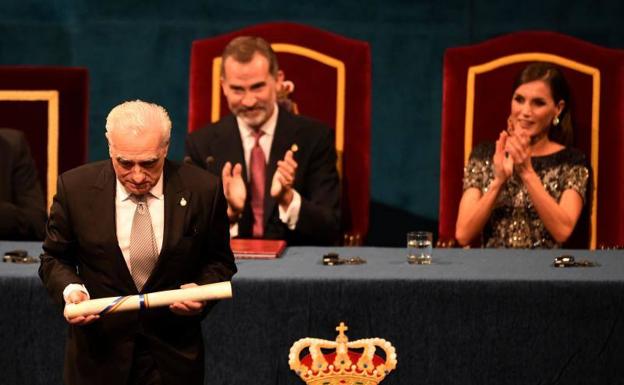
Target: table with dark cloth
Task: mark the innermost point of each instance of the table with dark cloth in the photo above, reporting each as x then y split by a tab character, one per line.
472	317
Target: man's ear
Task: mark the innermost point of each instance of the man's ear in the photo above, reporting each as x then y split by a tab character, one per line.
280	77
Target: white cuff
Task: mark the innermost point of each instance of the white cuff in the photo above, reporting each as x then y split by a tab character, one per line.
234	230
74	286
290	216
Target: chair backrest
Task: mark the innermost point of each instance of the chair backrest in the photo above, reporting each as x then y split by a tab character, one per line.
331	74
477	89
50	105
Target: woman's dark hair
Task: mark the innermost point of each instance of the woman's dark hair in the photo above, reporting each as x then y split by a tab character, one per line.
551	75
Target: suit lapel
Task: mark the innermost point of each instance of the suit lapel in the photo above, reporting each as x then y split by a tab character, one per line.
177	200
225	144
229	146
103	207
284	137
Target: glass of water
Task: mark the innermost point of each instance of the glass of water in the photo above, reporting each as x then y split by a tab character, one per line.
419	247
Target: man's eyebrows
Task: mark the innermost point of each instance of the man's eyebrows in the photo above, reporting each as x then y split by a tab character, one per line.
258	85
125	160
254	86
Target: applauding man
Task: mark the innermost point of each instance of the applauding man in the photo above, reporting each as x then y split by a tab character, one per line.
278	170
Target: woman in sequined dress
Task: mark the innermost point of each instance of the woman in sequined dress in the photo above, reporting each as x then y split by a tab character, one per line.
528	189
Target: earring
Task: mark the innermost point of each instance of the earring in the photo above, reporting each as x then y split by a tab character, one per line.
556	121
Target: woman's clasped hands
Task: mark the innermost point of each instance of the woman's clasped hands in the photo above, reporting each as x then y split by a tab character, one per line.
513	153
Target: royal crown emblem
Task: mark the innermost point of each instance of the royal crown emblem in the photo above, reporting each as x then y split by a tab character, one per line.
343	362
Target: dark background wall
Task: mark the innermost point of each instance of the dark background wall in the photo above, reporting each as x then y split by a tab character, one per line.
140	49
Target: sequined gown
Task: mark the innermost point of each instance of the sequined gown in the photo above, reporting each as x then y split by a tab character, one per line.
514	221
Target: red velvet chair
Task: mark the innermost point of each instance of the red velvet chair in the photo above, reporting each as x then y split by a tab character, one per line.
50	105
332	76
478	82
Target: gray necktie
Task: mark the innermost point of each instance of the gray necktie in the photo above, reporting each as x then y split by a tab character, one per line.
143	250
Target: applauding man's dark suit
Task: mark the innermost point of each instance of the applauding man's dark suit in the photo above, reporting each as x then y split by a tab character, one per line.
278	170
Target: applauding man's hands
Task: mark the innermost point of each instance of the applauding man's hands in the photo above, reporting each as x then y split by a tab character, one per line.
234	190
284	179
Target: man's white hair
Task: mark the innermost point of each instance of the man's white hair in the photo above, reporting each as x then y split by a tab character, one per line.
138	116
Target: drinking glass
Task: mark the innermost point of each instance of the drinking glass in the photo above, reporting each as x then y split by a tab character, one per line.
419	247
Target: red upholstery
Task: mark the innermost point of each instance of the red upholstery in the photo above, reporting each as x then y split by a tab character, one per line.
28	103
317	76
587	67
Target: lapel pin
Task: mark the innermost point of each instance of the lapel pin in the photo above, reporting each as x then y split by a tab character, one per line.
182	202
294	147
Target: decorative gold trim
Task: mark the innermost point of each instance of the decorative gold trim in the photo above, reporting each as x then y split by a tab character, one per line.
540	56
215	112
341	76
52	97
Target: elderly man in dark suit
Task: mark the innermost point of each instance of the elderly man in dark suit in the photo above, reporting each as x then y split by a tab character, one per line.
22	207
278	170
133	224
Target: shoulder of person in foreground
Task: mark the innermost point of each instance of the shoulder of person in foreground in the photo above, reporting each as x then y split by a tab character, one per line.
23	214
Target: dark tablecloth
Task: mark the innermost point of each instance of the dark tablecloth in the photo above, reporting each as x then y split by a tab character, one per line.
472	317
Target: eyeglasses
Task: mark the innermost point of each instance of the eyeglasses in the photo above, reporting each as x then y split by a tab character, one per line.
568	261
19	256
332	259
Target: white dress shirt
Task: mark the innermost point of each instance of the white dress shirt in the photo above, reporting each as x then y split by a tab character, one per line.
124	215
290	216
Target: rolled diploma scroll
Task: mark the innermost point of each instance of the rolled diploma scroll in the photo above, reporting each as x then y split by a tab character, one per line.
110	305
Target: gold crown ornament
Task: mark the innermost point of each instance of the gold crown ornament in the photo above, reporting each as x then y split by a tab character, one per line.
344	362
